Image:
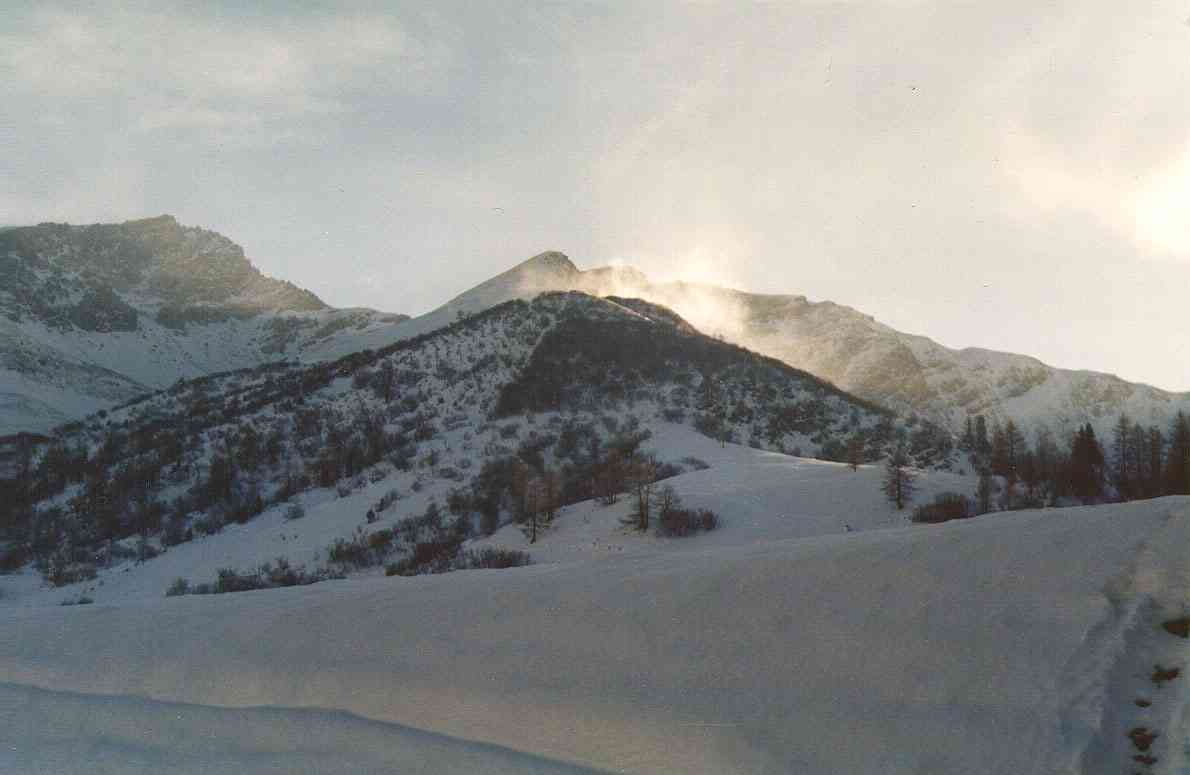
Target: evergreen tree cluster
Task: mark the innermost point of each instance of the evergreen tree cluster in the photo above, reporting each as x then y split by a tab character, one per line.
1139	462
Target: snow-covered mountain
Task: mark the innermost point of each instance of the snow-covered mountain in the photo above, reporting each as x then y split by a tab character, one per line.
562	388
904	372
91	316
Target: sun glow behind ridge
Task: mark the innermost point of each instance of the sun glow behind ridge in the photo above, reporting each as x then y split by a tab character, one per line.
1162	211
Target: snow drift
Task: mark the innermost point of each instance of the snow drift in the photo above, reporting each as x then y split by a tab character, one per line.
987	646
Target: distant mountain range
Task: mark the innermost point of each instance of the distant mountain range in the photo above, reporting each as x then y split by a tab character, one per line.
91	316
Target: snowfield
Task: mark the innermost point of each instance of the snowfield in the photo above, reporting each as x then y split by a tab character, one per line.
780	643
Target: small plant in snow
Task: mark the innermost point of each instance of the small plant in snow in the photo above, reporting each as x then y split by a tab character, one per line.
180	587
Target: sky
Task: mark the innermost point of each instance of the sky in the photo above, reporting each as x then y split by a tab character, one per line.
1010	175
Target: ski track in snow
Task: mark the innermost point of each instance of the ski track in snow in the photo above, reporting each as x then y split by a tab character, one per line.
1114	669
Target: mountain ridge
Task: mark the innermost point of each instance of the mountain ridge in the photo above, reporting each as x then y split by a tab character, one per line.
909	373
92	315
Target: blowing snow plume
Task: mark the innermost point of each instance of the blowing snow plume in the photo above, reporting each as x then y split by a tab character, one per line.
905	372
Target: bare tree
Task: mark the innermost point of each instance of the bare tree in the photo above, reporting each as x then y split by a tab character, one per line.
610	474
667	501
642	482
532	507
551	487
855	452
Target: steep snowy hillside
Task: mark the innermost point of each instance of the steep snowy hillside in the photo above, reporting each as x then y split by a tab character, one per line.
904	372
94	315
760	496
526	404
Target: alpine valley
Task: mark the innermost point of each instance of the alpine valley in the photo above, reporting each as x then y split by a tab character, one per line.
567	522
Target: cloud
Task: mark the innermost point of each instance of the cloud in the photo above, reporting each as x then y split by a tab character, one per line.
174	69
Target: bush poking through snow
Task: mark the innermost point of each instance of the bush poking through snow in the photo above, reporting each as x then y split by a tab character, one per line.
494	559
271	575
946	506
353	552
1163	674
685	522
443	557
673	521
1178	627
386	500
59	574
13	558
1142	738
295	511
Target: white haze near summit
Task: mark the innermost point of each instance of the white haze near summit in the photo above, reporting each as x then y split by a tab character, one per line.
1006	175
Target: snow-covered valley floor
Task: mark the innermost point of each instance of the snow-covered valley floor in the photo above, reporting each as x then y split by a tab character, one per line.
780	643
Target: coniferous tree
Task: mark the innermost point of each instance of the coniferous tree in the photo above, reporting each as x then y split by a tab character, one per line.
999	457
1121	456
1048	461
1138	462
385	381
1156	450
967	443
1086	463
1030	474
1015	446
898	479
984	491
1177	460
982	445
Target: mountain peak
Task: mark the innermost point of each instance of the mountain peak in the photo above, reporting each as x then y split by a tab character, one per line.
552	260
165	219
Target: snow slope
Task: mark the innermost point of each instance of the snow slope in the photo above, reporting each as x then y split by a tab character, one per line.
760	496
780	643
